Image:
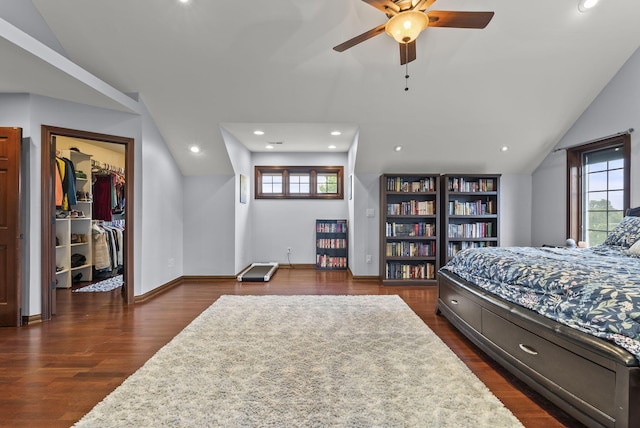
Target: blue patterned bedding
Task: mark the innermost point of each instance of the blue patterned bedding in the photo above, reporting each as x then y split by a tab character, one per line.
595	290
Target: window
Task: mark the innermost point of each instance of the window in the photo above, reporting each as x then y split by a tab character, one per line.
310	182
598	188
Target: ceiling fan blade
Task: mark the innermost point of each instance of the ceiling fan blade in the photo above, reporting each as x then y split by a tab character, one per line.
445	18
359	39
383	5
407	52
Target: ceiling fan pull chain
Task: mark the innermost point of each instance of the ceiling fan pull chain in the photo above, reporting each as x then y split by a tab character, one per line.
406	65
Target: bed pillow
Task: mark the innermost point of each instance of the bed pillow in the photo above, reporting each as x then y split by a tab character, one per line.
626	233
634	250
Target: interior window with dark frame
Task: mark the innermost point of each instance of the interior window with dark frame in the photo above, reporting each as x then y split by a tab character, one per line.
299	182
598	181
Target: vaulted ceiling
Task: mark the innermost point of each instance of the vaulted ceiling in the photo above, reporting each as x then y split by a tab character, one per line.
205	65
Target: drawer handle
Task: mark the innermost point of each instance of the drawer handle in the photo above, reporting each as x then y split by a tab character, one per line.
454	302
528	349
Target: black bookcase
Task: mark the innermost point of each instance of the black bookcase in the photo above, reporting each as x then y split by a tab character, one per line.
409	228
470	212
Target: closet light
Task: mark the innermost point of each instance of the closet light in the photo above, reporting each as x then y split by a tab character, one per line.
397	148
194	149
335	133
258	132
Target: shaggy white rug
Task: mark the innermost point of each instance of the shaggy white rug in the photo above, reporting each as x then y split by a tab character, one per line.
303	361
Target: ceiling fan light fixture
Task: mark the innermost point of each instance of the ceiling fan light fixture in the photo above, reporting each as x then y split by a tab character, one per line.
585	5
406	26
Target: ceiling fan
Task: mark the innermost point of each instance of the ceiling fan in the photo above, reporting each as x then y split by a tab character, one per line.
407	18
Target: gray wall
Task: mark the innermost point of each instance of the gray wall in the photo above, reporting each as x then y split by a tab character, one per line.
158	187
616	109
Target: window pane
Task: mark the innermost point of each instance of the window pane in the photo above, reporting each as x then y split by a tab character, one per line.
615	217
299	183
597	220
618	163
272	183
596	238
597	181
600	166
616	179
616	200
327	183
597	201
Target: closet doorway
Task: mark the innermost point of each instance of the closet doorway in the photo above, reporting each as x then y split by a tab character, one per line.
67	242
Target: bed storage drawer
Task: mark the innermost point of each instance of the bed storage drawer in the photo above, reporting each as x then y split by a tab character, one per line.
460	305
565	369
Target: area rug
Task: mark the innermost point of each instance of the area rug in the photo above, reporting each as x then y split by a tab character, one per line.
302	361
102	286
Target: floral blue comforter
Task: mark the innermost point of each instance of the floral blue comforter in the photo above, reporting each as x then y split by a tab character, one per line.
595	290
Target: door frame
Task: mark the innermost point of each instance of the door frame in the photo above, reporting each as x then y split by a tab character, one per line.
48	210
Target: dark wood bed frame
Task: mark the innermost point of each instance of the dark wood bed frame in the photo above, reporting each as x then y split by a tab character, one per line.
593	380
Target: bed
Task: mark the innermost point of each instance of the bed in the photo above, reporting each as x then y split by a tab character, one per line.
565	321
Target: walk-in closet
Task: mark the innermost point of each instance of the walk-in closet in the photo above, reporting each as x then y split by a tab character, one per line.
91	202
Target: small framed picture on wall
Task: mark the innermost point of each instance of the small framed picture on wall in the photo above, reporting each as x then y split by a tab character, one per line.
244	188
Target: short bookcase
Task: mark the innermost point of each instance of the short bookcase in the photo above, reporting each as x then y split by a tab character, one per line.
331	245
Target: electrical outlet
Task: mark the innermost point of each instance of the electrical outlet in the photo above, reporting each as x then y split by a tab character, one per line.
368	258
288	250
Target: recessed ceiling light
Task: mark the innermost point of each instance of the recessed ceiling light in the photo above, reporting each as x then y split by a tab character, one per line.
269	146
332	146
194	149
258	132
585	5
336	133
504	148
397	148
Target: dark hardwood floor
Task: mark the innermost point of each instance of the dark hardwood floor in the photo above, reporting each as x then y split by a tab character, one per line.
53	373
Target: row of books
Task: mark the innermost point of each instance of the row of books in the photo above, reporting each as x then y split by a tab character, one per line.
460	184
325	261
331	243
454	247
407	271
471	230
412	208
410	229
340	227
403	184
411	249
478	207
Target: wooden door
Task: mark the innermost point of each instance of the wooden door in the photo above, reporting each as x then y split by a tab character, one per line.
10	239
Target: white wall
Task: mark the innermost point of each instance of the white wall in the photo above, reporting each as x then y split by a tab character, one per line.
209	225
157	184
278	223
240	158
159	211
515	210
366	229
616	109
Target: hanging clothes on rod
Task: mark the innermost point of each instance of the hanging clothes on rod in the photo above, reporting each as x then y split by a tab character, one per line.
66	192
108	243
108	190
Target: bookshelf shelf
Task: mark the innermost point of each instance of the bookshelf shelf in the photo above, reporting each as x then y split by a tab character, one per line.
409	228
470	208
331	245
